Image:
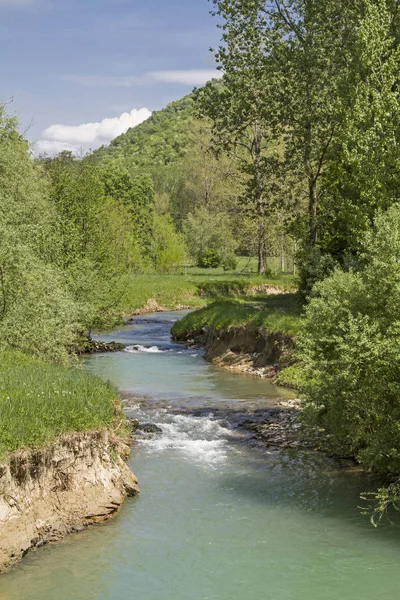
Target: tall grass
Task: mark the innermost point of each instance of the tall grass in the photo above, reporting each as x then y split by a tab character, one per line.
40	401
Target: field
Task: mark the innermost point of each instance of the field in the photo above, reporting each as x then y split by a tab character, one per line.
195	288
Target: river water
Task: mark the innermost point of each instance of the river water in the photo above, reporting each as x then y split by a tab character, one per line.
218	518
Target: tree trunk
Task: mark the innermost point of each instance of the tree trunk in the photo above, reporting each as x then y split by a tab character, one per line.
262	249
312	188
313	211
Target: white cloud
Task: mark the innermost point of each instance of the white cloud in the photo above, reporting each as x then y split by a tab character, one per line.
49	147
88	135
184	77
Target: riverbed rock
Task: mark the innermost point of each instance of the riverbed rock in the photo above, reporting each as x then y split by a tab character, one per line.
91	346
134	424
150	428
278	428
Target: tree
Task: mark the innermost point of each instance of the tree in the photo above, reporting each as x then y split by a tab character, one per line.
236	111
209	238
362	175
37	312
168	247
284	66
201	179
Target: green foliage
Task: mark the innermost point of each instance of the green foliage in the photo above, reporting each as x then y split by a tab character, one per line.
141	208
161	140
378	504
204	233
291	377
209	259
37	312
174	148
39	402
314	266
350	349
168	248
320	80
39	315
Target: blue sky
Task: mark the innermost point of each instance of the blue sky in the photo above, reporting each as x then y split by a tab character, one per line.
71	63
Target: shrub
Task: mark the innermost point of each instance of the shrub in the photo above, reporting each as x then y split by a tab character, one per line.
230	263
209	259
350	351
168	247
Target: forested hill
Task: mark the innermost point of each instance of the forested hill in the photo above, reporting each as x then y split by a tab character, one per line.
163	139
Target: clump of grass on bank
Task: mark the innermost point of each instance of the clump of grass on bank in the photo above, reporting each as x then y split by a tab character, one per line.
40	401
279	313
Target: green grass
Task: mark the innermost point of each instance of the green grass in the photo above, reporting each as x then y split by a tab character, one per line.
194	287
40	401
280	313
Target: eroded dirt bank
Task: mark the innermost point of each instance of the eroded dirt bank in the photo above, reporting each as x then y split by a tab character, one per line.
44	495
244	349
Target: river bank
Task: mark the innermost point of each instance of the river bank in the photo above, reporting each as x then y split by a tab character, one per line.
78	481
195	289
253	337
63	446
243	349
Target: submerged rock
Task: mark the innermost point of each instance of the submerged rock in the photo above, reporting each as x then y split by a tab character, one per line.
138	427
134	423
150	428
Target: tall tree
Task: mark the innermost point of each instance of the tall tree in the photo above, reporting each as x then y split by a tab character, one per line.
238	109
284	66
363	171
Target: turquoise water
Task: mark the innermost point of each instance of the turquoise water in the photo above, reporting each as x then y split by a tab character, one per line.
217	519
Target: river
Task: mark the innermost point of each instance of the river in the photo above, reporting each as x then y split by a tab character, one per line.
218	518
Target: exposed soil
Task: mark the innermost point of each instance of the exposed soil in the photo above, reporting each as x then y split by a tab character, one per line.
244	349
45	494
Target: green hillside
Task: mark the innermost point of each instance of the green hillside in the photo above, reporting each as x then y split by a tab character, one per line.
161	140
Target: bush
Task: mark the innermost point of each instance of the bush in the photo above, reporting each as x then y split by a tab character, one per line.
350	351
209	259
230	263
313	266
168	247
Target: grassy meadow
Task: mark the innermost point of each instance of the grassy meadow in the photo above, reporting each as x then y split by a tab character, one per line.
195	287
41	401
